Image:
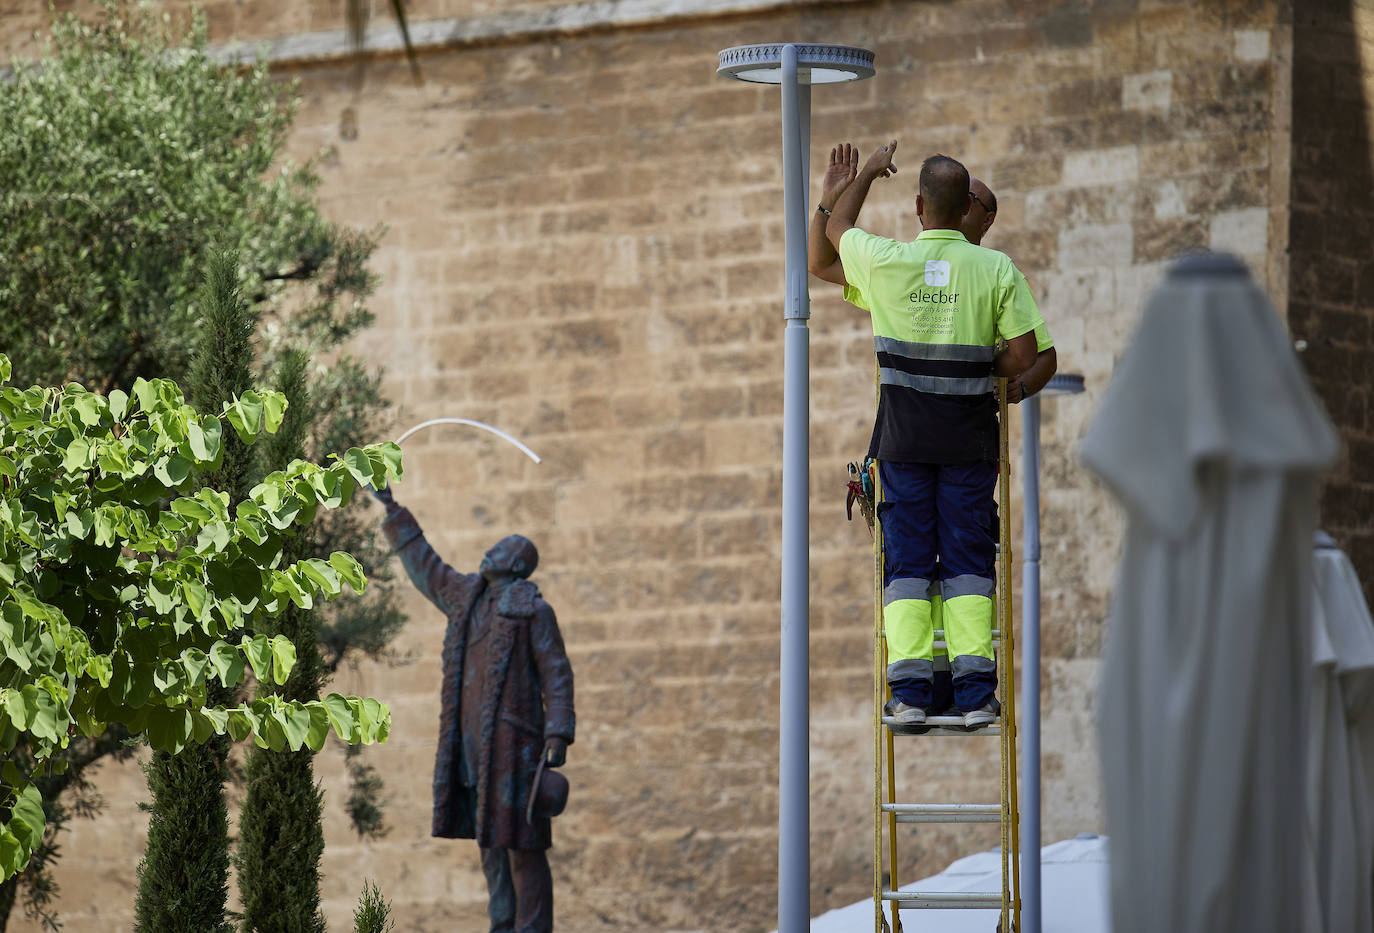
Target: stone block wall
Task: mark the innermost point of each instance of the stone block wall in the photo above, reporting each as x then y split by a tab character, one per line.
1331	306
584	248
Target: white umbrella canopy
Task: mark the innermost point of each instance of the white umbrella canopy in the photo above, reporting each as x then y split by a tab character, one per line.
1340	772
1073	879
1211	438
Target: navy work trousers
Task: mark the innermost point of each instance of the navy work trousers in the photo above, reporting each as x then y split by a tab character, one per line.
938	526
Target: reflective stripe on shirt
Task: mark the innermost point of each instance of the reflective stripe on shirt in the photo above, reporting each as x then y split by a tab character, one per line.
936	385
933	351
938	368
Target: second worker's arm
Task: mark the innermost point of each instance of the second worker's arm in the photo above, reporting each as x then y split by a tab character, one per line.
1034	379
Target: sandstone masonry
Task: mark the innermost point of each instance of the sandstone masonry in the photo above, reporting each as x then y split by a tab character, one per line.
584	247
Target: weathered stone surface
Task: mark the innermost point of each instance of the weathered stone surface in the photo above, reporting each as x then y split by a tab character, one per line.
1332	271
584	248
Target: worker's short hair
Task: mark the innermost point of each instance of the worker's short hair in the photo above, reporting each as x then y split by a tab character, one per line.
944	188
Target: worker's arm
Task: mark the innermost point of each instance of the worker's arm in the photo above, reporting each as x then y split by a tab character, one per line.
821	258
1016	357
1034	379
846	212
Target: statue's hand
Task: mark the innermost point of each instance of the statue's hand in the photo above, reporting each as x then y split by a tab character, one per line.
556	752
383	495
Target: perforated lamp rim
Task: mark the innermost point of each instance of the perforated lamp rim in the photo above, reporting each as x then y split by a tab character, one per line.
816	64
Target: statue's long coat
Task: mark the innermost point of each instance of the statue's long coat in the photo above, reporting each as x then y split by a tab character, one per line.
527	699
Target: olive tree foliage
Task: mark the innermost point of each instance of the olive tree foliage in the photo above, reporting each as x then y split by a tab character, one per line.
129	157
125	591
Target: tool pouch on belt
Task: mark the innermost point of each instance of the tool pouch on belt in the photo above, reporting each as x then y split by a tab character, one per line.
861	491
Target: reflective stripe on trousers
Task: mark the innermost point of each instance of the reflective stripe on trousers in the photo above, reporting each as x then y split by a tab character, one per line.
910	624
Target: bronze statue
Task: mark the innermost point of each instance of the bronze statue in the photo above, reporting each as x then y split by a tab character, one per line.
506	708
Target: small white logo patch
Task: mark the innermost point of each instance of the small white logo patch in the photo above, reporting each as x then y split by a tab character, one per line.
937	272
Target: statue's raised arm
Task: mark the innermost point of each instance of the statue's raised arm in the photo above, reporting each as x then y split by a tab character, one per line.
448	589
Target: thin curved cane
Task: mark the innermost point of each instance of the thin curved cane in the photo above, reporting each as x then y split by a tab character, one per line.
475	424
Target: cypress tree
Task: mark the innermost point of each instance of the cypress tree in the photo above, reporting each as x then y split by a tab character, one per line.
183	880
373	913
281	836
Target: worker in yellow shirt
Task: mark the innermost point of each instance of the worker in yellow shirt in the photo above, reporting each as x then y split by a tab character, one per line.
938	305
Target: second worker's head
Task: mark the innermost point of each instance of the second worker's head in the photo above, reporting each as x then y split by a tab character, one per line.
944	195
982	213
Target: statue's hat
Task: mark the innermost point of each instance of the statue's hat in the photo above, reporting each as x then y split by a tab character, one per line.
548	796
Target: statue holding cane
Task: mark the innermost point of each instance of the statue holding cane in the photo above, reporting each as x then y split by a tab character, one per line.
506	716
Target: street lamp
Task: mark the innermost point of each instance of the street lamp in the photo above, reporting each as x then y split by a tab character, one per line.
1065	384
796	68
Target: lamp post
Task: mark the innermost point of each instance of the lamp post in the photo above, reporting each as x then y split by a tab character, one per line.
1065	384
796	68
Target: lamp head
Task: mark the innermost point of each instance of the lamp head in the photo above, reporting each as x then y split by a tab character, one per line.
816	64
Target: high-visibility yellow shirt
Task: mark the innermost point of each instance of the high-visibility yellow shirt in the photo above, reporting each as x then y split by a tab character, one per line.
1043	340
938	306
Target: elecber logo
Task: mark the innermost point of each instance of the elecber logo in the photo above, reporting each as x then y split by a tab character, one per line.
937	273
934	298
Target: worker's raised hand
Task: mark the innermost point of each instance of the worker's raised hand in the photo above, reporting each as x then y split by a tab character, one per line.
879	164
843	169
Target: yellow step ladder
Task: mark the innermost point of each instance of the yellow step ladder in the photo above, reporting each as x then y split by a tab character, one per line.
887	811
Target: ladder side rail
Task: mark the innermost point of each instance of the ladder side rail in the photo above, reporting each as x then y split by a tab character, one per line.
1011	828
892	800
879	689
886	694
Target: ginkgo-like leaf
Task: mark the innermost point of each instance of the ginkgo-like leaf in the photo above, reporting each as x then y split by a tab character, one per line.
123	594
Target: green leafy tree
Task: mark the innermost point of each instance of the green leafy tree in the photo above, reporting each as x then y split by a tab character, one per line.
125	596
129	156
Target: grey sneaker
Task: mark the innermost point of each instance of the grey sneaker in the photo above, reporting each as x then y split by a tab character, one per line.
983	716
907	715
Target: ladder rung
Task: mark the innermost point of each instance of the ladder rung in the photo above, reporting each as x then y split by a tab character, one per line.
941	645
945	812
942	725
968	900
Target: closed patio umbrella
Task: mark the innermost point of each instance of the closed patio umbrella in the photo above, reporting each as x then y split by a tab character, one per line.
1340	755
1211	439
